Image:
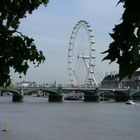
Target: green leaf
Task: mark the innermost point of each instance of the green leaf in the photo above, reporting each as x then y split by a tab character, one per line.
16	49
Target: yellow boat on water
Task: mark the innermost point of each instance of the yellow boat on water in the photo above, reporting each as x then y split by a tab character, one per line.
5	126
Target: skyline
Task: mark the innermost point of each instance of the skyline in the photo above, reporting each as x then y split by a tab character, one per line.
51	28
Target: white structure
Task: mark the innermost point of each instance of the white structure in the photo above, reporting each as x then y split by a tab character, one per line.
26	84
82	58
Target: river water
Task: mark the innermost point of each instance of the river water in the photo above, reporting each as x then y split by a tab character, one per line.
37	119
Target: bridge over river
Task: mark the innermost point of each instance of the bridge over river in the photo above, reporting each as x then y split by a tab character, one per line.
55	94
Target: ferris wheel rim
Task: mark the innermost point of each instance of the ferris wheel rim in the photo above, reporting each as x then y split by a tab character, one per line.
71	71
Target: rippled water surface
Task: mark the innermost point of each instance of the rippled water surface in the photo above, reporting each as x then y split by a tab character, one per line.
37	119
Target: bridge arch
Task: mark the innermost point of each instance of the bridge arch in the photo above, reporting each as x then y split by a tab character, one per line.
50	92
14	92
121	96
17	94
135	95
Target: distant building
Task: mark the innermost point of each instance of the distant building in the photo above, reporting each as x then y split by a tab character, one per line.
112	81
26	84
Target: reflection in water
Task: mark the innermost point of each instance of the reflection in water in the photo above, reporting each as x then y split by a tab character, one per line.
37	119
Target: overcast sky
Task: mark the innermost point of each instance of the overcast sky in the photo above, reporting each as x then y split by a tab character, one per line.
51	28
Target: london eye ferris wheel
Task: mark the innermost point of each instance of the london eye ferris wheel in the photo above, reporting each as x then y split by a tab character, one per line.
81	55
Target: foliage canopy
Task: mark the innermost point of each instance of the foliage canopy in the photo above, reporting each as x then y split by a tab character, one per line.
16	49
125	48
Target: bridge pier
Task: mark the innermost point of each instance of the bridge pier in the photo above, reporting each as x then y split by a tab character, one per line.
91	98
55	98
17	98
1	93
